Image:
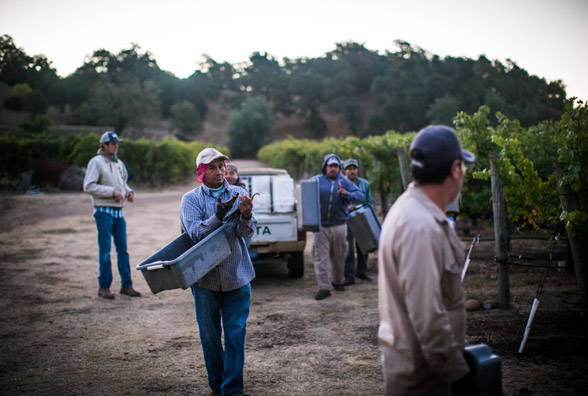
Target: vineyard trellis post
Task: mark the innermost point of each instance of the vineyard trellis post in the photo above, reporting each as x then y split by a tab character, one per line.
403	163
383	199
500	236
570	203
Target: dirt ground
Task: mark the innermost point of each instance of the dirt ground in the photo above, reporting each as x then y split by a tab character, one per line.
58	337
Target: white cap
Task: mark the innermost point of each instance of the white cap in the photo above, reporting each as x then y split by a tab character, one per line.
208	155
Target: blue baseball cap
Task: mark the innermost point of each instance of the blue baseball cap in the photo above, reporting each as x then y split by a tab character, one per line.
435	145
108	137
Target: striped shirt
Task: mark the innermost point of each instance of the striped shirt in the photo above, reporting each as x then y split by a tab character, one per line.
198	219
117	213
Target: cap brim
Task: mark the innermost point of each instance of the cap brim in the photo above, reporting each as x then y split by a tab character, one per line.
468	157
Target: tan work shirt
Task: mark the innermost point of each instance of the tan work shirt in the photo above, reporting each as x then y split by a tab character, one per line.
421	300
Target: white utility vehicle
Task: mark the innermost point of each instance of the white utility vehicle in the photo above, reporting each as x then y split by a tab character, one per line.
277	238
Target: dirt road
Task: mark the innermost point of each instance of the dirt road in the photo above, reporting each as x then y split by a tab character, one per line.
58	337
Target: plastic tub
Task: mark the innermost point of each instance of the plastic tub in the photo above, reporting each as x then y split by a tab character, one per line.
181	263
365	228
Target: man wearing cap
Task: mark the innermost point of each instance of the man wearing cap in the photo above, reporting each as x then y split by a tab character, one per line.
420	258
351	169
330	243
225	292
106	181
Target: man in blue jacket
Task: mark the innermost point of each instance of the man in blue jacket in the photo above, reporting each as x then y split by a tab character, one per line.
330	243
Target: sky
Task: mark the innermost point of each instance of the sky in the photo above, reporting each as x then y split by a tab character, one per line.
547	38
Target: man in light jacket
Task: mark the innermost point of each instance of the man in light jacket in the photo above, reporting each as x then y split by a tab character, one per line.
106	181
420	258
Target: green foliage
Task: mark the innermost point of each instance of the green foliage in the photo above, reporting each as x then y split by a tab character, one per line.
148	161
156	163
523	158
16	67
39	124
130	103
85	148
23	98
18	154
367	92
186	119
573	153
249	127
377	154
161	162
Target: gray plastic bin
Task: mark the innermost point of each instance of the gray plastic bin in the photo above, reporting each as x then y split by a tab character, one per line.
181	263
486	368
365	228
309	206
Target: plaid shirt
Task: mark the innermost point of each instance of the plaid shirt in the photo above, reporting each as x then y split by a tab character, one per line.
117	213
198	219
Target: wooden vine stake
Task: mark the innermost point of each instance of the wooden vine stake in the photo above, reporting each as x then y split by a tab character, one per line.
500	236
403	164
570	203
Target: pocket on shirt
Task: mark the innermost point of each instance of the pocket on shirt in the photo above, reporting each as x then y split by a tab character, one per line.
451	283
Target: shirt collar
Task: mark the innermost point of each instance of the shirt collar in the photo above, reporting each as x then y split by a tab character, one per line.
207	190
424	199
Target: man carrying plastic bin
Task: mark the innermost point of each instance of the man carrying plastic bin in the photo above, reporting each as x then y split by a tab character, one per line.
351	168
222	295
330	243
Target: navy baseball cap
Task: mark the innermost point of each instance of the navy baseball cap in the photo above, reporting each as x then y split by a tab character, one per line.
435	145
108	137
350	162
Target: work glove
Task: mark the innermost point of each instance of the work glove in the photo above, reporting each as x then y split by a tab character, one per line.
222	208
465	386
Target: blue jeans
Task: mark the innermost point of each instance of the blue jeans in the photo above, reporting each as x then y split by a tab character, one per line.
112	228
225	368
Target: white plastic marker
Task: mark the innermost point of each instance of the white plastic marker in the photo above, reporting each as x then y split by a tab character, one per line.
529	322
467	262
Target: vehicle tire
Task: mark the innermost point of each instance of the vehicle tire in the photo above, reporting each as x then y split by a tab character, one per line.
296	265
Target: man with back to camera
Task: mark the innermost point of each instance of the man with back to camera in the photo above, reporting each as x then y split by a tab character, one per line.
330	243
420	258
224	293
106	181
351	168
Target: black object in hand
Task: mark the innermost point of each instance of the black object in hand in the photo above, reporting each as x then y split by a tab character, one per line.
222	208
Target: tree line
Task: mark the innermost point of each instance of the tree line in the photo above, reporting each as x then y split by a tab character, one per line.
370	93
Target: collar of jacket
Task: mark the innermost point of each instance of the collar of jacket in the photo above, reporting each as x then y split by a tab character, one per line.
101	152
